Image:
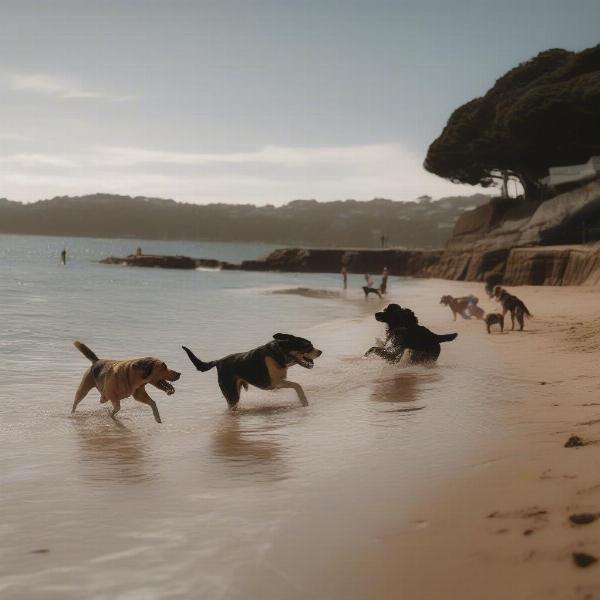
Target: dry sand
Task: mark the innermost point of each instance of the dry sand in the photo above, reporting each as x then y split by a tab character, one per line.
502	529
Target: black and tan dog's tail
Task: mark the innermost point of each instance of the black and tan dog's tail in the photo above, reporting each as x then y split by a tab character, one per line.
199	364
447	338
85	351
525	311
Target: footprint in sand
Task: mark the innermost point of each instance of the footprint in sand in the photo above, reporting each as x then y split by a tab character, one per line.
583	560
574	442
583	518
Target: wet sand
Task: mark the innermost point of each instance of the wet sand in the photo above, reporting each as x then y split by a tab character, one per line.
500	527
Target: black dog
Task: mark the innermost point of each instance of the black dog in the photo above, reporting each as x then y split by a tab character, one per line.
264	367
405	333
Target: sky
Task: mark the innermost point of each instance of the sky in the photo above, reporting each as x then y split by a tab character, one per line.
253	101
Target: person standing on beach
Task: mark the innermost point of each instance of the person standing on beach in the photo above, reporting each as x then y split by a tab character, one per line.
384	280
345	276
63	256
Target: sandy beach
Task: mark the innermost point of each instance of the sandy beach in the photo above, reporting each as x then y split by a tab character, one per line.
500	527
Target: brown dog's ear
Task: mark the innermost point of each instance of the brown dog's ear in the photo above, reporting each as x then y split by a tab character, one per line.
145	366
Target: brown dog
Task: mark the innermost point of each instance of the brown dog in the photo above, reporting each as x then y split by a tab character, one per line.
118	379
494	319
465	306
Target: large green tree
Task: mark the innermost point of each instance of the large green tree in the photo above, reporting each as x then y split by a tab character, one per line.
544	112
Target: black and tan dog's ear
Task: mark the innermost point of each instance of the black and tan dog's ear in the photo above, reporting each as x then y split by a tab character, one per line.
145	366
282	336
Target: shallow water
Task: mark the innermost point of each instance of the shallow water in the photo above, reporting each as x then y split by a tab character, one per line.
274	501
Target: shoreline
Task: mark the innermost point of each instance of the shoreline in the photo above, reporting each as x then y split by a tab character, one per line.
502	523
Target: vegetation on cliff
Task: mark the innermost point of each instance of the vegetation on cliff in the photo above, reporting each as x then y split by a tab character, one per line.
545	112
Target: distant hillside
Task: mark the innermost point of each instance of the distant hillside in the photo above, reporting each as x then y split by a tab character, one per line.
423	224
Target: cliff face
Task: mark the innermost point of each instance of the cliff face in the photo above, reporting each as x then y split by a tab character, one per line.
553	265
413	263
497	239
539	265
508	223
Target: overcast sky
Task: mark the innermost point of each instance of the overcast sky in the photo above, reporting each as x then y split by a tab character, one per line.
252	101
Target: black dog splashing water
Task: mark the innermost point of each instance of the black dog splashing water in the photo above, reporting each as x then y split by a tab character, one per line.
404	333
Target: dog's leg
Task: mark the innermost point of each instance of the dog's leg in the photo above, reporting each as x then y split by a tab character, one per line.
87	383
512	320
142	396
231	390
385	353
297	387
116	407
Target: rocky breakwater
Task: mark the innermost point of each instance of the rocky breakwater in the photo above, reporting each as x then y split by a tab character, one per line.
163	261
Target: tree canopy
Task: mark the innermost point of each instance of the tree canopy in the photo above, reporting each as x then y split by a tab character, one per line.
545	112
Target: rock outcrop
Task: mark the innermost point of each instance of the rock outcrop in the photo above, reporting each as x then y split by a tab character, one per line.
413	263
163	261
510	223
553	265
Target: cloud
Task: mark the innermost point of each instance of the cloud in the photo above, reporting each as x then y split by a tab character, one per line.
34	160
13	137
48	85
272	174
270	155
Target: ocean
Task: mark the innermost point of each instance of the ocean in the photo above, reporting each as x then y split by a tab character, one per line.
275	500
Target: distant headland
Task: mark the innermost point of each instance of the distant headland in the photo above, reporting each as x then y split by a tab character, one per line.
424	223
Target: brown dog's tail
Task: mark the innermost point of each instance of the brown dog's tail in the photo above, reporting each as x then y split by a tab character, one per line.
85	351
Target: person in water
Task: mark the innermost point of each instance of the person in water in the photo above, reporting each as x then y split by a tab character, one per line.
345	277
63	256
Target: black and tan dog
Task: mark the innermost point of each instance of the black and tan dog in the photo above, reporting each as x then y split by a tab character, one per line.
264	367
119	379
512	304
494	319
405	333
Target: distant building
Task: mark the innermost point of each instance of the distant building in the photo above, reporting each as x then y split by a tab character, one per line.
573	174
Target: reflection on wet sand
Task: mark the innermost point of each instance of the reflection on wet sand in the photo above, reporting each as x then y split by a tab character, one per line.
109	451
403	387
245	439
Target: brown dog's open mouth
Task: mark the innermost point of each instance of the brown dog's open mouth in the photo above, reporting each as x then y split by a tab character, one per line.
165	386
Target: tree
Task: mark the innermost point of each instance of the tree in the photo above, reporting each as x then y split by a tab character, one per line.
544	112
